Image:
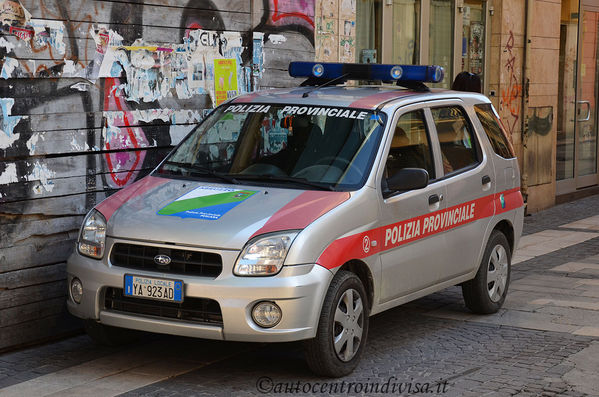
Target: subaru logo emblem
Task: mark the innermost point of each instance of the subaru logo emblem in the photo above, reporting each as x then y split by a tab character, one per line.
162	260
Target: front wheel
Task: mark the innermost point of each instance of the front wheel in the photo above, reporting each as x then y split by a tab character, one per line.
342	328
486	293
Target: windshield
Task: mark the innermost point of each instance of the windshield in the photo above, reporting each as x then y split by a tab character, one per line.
313	146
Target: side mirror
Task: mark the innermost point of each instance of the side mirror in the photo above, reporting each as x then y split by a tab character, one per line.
408	179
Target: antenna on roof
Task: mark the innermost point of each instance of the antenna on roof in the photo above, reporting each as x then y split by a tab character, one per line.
324	84
410	76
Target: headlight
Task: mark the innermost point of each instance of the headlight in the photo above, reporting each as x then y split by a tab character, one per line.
93	235
264	256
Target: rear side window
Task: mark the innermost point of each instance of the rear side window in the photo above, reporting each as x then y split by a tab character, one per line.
458	147
493	129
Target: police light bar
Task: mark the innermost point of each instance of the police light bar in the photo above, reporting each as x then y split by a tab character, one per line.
367	71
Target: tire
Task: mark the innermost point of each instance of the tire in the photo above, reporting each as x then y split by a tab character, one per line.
109	336
486	292
323	356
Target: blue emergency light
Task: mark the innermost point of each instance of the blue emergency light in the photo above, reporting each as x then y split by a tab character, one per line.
322	71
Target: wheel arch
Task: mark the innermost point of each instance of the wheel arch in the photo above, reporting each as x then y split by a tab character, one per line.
506	227
361	269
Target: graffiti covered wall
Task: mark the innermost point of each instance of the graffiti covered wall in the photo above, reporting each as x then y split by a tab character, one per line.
92	95
524	75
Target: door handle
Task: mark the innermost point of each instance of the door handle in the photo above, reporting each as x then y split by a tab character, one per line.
434	199
588	116
486	179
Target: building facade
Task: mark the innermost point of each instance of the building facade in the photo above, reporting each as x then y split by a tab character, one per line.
536	58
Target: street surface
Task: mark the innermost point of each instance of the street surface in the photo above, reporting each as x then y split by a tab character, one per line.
544	342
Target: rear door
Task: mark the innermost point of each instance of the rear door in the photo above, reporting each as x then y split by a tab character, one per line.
470	181
503	156
409	252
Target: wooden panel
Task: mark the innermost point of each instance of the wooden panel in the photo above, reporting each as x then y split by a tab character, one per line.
538	155
35	293
38	275
40	252
23	231
75	204
40	329
77	142
32	311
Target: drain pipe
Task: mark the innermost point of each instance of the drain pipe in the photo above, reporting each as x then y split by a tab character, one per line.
525	96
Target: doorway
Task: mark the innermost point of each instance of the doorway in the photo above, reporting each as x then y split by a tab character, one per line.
577	160
449	33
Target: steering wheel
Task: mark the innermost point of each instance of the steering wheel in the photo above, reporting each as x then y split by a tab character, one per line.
325	162
329	159
264	169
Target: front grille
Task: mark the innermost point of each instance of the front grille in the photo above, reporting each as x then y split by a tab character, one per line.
197	310
192	263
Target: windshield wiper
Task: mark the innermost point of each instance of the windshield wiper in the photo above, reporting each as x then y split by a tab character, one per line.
203	171
276	178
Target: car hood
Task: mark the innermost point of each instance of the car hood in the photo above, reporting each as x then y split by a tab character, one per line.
211	215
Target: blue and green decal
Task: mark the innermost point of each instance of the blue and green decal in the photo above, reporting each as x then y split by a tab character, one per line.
206	203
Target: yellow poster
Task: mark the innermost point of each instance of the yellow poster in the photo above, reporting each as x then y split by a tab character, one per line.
225	79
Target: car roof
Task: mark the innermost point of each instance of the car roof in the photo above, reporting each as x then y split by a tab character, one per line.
360	97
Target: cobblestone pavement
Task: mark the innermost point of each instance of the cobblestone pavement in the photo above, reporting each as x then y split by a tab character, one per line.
544	342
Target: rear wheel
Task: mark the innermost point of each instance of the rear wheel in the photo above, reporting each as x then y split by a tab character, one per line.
486	293
342	329
109	336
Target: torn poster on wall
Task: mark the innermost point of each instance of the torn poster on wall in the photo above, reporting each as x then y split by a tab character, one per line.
37	33
151	72
8	123
146	71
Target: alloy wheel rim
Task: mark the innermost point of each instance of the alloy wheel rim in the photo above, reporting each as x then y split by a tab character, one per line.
497	273
348	325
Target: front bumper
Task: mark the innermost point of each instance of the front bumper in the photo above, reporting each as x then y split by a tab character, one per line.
298	290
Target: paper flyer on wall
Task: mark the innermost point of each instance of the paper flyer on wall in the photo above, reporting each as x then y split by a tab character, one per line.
225	79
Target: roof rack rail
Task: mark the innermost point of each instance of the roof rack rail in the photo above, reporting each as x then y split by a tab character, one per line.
321	74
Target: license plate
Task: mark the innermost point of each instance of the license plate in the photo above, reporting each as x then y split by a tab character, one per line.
153	288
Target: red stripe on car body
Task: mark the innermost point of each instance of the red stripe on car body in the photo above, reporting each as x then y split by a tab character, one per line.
372	101
246	98
358	246
303	210
109	206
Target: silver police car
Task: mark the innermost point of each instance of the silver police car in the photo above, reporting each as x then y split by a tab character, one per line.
296	214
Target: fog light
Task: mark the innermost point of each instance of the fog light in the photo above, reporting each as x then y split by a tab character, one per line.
76	290
266	314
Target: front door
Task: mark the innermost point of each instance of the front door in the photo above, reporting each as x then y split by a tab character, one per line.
410	252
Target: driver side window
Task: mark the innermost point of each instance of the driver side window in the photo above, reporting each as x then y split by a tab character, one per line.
410	147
